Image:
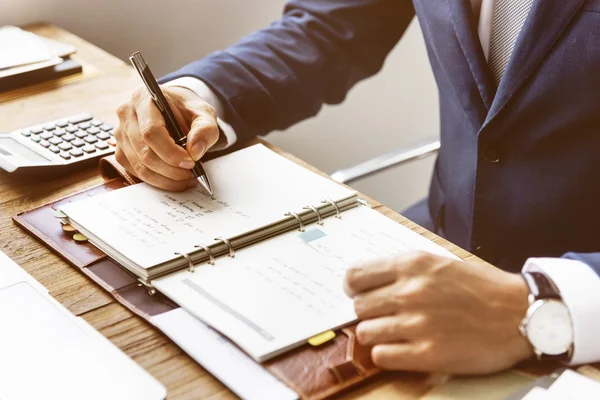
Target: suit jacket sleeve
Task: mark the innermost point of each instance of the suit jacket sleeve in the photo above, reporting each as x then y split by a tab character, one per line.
591	259
313	55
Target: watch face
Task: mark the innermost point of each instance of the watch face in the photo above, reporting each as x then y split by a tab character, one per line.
550	328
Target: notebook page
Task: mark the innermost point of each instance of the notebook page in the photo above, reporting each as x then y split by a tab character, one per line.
278	293
253	187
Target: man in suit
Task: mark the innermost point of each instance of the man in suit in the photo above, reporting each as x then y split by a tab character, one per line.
514	182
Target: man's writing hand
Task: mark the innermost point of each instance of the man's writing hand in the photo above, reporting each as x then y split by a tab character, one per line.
144	146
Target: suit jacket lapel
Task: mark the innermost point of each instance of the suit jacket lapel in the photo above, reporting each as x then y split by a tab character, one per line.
465	26
546	22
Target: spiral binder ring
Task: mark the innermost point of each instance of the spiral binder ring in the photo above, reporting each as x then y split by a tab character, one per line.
191	266
334	204
228	244
316	211
293	214
149	288
364	202
211	258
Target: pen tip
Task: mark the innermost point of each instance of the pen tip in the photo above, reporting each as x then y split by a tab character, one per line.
206	185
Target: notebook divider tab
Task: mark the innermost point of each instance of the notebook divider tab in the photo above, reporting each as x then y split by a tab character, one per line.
209	253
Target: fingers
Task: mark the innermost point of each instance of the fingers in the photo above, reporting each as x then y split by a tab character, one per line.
389	329
368	277
204	132
127	157
153	134
378	303
150	159
409	356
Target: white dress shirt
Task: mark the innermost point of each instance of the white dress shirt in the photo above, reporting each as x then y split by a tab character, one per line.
578	283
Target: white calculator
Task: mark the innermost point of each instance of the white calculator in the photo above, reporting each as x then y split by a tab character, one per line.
56	145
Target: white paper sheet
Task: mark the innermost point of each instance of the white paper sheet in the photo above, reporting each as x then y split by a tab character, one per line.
573	386
47	353
226	362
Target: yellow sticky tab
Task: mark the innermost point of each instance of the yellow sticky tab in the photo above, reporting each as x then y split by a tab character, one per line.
321	338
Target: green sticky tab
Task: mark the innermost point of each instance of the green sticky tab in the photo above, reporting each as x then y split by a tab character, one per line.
313	234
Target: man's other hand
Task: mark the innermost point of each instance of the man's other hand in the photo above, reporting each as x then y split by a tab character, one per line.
422	312
144	146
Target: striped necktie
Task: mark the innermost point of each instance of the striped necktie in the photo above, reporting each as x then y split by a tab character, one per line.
509	18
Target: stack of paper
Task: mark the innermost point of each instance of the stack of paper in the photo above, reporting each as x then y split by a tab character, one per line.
22	52
19	47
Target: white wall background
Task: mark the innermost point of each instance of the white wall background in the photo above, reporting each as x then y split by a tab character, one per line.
395	108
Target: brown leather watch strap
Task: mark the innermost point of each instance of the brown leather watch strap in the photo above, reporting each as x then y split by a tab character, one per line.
540	286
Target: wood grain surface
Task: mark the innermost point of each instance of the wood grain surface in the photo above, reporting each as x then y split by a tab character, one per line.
105	83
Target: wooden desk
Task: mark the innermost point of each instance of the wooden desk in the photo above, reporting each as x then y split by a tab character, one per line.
108	83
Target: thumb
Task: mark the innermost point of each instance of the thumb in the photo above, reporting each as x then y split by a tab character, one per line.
204	133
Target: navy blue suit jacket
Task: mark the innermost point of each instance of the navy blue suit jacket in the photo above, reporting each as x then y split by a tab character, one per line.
519	168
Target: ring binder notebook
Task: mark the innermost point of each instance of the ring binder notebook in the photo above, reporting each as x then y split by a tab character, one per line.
309	371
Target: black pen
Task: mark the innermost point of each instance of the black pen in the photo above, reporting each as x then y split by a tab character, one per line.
163	106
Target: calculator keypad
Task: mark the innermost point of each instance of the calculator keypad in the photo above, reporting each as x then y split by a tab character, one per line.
75	137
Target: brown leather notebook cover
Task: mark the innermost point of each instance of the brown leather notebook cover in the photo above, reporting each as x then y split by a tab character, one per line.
312	372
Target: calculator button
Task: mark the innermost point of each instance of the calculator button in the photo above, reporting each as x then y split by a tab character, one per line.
46	135
49	127
35	138
78	143
64	155
91	139
88	148
81	134
26	133
103	136
45	143
65	146
54	149
59	132
112	141
77	119
106	127
72	129
62	124
76	152
84	125
55	140
102	145
37	131
95	122
93	130
68	137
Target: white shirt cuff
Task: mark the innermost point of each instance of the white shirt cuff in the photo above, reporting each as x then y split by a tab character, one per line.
579	286
202	90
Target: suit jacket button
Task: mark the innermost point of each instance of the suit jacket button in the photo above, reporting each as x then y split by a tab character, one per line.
490	154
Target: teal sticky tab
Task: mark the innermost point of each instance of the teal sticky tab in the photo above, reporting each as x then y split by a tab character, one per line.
313	234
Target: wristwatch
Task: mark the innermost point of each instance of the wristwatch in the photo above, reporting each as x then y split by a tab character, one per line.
548	324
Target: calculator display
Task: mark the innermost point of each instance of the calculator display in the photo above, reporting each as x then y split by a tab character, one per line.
9	146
